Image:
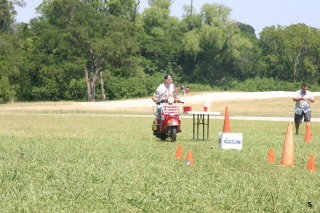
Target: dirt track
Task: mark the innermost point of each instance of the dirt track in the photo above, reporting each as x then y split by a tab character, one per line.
210	97
146	102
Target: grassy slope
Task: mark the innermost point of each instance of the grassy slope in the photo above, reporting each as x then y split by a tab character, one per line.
112	164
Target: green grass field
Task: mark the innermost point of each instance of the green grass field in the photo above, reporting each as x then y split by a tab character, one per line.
94	163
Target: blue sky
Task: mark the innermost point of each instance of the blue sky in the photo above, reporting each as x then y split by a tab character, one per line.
257	13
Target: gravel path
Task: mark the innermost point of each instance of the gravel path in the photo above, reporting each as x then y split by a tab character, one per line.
152	116
212	96
147	102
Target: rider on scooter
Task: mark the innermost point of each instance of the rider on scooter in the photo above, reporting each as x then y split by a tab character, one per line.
167	122
165	90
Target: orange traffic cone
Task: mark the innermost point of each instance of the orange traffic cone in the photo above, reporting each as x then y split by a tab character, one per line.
307	136
179	152
287	153
189	158
311	165
226	125
271	156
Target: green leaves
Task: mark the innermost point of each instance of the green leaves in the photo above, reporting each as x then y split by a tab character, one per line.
66	50
296	50
7	92
7	13
215	14
191	43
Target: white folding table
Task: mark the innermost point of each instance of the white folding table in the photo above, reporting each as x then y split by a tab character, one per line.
201	118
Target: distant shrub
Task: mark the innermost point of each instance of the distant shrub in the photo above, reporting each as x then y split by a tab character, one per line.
198	87
6	90
76	89
268	84
253	85
140	86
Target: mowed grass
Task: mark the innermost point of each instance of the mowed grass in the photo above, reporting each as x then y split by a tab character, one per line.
96	163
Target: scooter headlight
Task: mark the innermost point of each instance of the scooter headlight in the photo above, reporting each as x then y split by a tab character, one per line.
171	100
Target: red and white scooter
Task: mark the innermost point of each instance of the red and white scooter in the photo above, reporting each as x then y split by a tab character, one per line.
167	122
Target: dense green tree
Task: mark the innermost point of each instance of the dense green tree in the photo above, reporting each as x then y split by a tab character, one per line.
217	50
190	18
126	9
9	51
291	53
215	14
9	62
47	65
7	13
80	49
246	28
100	41
160	40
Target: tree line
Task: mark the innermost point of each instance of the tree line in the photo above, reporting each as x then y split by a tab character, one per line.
97	50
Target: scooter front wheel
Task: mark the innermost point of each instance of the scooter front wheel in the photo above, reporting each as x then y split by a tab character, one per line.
173	134
163	136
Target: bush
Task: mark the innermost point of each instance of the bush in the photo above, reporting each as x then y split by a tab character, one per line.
120	88
268	84
139	86
48	91
76	89
252	85
198	87
7	92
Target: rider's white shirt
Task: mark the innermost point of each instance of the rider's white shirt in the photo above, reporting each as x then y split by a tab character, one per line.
163	91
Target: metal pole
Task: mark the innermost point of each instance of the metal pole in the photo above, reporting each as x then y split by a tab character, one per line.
208	122
203	124
193	125
198	122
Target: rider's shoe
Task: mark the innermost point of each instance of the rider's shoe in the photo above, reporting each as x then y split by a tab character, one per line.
297	132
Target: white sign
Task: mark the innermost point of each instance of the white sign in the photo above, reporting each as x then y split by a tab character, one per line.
230	140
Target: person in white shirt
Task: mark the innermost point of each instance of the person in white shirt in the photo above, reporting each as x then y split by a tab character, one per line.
165	90
302	97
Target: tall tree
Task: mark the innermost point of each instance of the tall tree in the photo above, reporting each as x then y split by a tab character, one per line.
9	59
7	13
126	9
291	52
101	41
216	50
9	53
160	42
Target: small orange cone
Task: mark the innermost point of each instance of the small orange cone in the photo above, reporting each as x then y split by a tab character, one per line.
271	156
189	158
288	151
307	136
179	152
226	125
311	165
